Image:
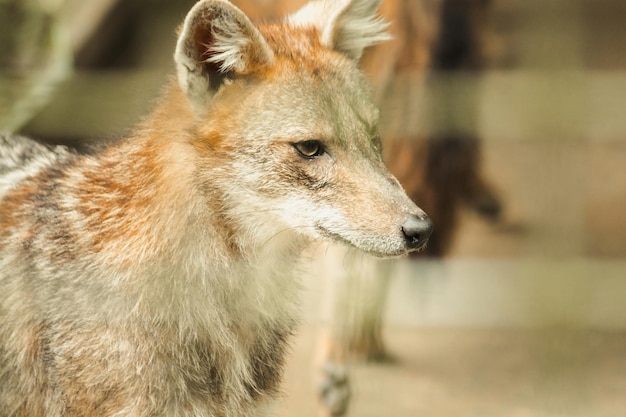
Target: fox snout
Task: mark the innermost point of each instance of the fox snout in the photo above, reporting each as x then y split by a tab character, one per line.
416	231
379	219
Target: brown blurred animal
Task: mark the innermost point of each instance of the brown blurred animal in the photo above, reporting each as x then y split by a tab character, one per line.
440	170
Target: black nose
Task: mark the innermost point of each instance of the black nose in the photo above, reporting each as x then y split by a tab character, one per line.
416	231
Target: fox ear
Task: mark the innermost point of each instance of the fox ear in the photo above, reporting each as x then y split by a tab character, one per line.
216	40
347	26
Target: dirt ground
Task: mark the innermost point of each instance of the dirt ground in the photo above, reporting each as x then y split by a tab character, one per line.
472	372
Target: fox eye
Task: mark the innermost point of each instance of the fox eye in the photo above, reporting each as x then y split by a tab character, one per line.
309	148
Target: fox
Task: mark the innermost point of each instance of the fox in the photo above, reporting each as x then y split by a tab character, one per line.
158	274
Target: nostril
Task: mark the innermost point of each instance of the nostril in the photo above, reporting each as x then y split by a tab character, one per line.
416	231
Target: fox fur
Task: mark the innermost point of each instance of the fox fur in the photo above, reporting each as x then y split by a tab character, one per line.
153	276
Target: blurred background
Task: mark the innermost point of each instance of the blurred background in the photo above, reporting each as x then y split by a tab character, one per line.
520	307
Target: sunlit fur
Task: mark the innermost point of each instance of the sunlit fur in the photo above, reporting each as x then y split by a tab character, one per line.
154	276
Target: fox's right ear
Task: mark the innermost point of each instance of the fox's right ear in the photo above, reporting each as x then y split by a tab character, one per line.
216	40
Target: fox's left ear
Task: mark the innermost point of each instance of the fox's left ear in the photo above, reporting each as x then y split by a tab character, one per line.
347	26
216	40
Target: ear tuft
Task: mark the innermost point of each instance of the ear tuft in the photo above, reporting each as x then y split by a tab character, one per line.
216	40
347	26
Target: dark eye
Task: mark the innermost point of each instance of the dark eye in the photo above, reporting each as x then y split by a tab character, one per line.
309	148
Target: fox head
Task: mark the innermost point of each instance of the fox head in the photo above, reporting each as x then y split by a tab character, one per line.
286	129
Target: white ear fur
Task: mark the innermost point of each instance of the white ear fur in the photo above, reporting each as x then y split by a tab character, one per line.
347	26
216	39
